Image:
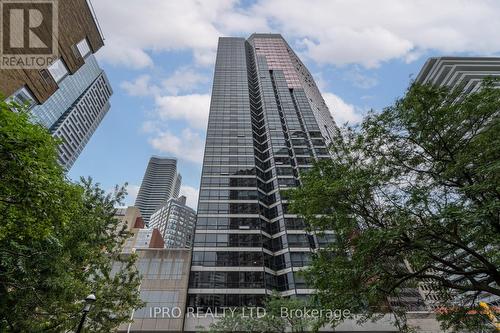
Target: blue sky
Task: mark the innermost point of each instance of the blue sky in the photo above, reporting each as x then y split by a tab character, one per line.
159	57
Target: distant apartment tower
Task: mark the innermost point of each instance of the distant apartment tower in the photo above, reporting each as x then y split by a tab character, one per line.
455	71
267	123
160	183
71	96
175	221
466	73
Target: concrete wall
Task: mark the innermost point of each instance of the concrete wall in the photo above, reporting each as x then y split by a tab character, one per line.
164	289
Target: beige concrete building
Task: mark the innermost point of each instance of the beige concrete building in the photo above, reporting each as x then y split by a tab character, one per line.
142	238
165	277
164	285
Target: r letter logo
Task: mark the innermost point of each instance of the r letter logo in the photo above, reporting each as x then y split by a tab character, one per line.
29	32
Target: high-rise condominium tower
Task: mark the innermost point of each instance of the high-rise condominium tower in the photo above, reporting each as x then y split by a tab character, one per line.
454	71
466	73
267	123
160	183
175	221
76	109
71	96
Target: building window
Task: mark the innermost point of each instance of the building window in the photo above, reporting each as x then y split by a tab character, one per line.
44	73
58	70
23	97
83	47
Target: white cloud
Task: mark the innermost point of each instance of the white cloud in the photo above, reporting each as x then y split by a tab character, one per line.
183	80
205	57
132	191
189	146
133	27
361	80
122	54
333	31
342	45
321	82
193	108
338	32
150	126
141	86
191	194
342	112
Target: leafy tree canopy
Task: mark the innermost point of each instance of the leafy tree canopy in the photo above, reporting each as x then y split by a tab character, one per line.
58	239
412	195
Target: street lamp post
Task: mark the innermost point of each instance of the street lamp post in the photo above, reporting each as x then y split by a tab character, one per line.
89	300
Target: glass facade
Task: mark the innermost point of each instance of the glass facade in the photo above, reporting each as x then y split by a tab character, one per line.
70	89
75	126
267	123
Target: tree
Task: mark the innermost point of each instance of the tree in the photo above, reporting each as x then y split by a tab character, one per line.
277	315
292	313
58	239
412	195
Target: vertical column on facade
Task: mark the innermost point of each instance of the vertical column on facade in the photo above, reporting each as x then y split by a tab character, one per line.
229	254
